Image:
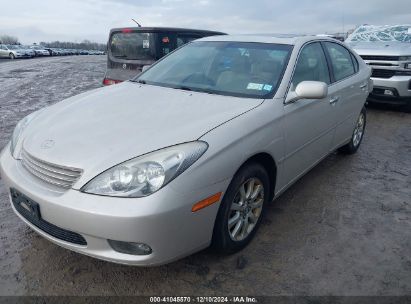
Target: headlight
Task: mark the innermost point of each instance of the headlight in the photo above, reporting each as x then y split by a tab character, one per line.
146	174
19	129
405	58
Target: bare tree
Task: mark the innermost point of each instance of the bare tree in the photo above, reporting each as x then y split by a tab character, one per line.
6	39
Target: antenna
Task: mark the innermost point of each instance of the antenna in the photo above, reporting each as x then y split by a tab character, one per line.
139	25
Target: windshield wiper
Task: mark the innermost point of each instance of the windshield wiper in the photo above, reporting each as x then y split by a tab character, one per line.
184	88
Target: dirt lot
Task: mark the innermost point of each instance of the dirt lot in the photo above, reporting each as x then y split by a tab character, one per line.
343	229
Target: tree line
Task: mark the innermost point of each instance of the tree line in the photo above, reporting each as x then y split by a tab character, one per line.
85	45
6	39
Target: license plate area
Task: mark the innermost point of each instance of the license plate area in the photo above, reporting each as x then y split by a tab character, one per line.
24	205
30	210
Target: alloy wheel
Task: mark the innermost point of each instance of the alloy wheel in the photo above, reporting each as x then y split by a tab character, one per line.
359	130
245	209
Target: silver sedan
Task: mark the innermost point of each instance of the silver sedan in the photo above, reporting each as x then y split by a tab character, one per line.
189	153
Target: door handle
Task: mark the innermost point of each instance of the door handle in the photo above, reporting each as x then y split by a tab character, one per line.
334	99
363	86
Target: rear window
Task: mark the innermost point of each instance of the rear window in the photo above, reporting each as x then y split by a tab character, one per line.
132	46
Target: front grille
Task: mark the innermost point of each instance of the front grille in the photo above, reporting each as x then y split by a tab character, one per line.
381	73
382	58
35	218
60	176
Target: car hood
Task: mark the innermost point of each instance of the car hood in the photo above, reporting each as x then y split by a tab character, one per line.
102	128
389	48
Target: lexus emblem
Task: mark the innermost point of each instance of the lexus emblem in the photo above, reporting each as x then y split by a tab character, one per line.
124	66
47	144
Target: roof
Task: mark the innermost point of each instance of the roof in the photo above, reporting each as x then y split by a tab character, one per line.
168	29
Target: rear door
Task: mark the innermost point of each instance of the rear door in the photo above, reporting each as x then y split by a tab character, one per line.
309	123
352	89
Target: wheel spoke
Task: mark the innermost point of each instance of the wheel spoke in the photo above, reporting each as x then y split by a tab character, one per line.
244	230
256	191
234	220
250	188
237	228
257	204
236	207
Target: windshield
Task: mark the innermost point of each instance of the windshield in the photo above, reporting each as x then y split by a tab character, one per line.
132	46
400	33
241	69
12	47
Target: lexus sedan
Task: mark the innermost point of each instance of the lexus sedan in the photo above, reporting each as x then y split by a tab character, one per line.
189	153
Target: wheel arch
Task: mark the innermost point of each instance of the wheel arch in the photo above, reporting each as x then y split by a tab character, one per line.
267	161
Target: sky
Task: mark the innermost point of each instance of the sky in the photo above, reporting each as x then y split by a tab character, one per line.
76	20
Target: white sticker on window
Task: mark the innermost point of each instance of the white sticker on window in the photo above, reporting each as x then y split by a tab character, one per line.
268	87
146	44
255	86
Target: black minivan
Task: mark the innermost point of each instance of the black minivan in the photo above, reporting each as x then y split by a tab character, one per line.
129	49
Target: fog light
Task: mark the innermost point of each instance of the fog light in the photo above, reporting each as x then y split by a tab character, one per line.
388	92
130	248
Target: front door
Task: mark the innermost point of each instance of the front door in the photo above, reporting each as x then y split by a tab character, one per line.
309	124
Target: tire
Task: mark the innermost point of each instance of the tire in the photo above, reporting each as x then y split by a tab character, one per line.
224	239
357	136
11	56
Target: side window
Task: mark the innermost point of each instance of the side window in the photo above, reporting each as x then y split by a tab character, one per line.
341	60
311	65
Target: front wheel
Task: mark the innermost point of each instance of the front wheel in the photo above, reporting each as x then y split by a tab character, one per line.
12	57
357	135
241	209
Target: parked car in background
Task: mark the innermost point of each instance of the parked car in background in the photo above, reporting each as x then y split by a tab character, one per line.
129	49
202	142
28	50
13	51
39	51
387	49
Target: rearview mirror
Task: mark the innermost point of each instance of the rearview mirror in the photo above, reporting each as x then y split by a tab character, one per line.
308	90
145	68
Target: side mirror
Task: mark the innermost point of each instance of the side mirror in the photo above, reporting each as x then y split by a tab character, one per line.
308	90
145	68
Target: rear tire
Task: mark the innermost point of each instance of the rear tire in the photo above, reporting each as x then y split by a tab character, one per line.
357	135
11	56
241	209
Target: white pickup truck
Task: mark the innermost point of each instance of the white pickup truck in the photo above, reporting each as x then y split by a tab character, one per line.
387	49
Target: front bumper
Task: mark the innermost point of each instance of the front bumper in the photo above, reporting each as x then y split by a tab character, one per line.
400	86
20	55
163	220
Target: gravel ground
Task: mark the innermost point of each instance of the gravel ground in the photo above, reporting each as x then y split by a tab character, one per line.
343	229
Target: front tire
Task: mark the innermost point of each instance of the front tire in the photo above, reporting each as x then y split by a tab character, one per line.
11	56
241	209
357	135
